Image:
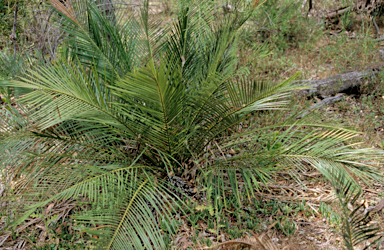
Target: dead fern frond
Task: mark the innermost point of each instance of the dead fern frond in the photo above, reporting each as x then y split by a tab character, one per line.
66	9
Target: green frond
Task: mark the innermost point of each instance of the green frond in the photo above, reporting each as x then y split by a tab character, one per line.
356	221
263	153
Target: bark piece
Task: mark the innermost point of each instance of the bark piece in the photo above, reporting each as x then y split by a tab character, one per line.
337	84
325	101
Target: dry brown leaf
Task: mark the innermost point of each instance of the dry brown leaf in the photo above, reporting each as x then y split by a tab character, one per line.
49	208
66	9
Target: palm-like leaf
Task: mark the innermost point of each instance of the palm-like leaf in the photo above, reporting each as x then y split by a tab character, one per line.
356	228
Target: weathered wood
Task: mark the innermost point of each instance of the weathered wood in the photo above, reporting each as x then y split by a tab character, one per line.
379	206
338	12
337	84
323	102
373	8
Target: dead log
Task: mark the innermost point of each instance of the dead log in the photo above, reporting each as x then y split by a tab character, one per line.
342	83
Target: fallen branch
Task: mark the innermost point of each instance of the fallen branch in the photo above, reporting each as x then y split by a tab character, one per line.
376	208
325	101
338	12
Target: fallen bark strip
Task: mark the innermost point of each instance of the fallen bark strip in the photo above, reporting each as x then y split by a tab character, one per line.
337	84
325	101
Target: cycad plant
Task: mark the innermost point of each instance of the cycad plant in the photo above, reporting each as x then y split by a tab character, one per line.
135	106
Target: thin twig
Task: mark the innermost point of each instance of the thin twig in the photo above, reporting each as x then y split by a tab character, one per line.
377	27
379	39
13	36
221	151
